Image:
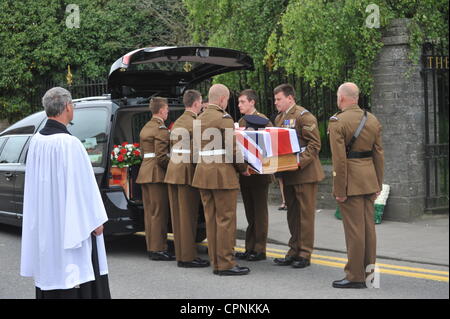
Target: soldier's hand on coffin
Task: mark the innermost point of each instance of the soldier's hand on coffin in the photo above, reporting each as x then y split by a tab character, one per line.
247	172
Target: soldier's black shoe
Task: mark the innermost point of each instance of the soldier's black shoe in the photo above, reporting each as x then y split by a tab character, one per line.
196	263
242	255
301	263
256	256
161	255
235	271
344	283
286	261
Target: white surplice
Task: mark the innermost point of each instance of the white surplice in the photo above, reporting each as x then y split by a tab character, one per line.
62	206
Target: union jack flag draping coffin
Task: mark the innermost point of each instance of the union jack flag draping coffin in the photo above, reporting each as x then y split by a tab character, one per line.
269	150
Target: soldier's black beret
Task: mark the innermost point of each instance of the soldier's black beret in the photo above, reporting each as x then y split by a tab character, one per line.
255	121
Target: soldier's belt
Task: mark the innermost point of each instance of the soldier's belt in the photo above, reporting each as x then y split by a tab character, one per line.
366	154
179	151
212	153
149	155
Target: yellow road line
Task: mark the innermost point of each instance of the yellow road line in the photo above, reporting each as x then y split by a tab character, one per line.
414	269
338	262
438	272
382	270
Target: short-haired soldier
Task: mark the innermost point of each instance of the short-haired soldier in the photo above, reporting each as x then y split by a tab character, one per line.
254	188
358	166
184	199
154	140
218	182
301	185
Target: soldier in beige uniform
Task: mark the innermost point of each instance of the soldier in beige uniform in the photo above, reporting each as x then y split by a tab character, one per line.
357	181
254	190
154	140
184	199
300	186
216	177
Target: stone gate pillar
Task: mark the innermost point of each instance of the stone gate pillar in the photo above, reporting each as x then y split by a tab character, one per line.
398	102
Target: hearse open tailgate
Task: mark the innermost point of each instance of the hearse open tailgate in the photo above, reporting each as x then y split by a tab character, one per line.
147	71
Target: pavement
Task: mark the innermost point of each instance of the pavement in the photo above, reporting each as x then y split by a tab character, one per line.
425	241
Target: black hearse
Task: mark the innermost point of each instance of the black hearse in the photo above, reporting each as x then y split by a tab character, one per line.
104	121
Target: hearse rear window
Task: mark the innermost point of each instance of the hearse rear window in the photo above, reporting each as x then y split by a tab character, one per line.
90	126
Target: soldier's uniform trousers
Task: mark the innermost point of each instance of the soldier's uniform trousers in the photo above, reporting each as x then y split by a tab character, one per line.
184	206
359	227
256	211
301	204
220	215
156	207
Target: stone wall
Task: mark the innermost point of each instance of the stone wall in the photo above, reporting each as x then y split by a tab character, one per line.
397	101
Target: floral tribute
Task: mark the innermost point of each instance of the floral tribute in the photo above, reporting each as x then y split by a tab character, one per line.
126	155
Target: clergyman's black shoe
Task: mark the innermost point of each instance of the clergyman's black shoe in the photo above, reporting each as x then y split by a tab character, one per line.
344	283
235	271
242	255
161	255
286	261
301	263
196	263
256	256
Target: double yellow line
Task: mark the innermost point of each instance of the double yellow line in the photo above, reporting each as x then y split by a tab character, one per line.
337	262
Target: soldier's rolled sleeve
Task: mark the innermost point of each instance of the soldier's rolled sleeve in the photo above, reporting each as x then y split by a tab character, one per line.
310	133
378	157
162	148
339	159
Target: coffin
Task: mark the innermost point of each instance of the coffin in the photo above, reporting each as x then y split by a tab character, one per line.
269	150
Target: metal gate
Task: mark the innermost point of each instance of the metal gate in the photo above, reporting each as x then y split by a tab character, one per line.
436	84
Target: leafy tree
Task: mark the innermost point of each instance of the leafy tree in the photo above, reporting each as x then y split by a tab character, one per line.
236	24
37	45
321	41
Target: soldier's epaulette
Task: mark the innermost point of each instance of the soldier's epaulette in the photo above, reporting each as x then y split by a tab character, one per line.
303	112
163	126
334	117
227	116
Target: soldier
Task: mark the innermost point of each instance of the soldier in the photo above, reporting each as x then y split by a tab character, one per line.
358	165
254	188
216	177
300	186
184	199
154	140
